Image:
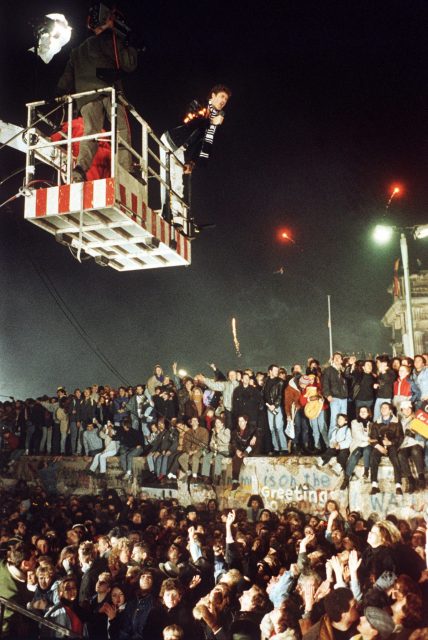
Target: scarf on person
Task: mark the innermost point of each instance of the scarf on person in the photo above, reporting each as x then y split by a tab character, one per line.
209	133
75	622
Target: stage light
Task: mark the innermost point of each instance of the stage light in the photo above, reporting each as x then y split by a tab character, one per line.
52	33
182	373
382	233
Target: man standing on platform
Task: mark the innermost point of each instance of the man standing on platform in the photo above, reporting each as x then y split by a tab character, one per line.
96	64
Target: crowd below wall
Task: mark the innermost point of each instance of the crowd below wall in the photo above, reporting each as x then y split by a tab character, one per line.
135	568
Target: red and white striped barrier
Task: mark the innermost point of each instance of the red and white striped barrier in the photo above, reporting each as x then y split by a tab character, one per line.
109	193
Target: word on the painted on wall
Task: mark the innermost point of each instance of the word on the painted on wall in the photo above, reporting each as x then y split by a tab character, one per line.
275	498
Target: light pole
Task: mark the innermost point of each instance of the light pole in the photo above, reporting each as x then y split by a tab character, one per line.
382	235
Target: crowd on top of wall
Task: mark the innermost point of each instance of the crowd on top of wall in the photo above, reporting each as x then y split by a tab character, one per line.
346	411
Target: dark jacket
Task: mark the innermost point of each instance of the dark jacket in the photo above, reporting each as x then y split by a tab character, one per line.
88	410
391	430
97	52
246	401
386	384
376	561
89	580
190	135
75	409
130	438
134	619
362	388
161	617
334	383
273	391
120	410
408	561
169	441
97	622
241	439
37	415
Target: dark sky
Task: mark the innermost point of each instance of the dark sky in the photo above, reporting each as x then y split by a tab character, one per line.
329	107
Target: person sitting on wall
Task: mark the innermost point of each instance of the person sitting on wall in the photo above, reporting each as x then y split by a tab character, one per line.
244	440
131	446
386	436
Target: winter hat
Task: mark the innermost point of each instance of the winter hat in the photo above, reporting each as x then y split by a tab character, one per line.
386	580
381	621
406	404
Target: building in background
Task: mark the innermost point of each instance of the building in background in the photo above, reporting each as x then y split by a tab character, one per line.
395	317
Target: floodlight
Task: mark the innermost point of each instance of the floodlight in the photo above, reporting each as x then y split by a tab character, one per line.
182	373
52	33
382	233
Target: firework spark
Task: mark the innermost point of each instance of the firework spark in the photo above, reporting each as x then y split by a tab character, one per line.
235	338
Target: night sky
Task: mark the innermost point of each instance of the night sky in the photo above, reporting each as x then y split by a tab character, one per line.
329	108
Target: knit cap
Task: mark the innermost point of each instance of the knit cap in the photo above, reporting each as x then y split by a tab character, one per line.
380	620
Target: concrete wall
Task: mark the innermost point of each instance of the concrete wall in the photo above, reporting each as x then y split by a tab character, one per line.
297	481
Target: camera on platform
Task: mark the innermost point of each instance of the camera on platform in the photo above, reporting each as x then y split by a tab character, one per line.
99	14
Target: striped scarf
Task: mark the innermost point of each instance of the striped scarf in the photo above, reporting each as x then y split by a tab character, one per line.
209	133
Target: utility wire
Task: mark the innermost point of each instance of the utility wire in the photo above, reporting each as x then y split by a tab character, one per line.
75	323
71	318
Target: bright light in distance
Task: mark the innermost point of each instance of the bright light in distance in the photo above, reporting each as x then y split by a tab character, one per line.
382	233
182	373
284	235
396	190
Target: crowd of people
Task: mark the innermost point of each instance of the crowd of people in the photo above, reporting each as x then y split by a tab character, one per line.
188	426
108	568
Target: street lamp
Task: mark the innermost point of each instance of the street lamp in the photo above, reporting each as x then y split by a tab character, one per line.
382	235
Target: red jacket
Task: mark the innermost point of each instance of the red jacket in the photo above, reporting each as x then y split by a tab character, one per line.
100	167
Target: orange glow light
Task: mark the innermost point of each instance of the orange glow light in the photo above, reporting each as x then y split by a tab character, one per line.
396	189
283	235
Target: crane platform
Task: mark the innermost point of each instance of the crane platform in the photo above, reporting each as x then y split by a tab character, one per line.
109	220
113	216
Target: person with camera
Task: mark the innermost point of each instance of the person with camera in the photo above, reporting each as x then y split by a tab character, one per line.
189	144
96	64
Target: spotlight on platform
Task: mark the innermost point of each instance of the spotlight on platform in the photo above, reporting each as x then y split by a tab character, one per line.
52	32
